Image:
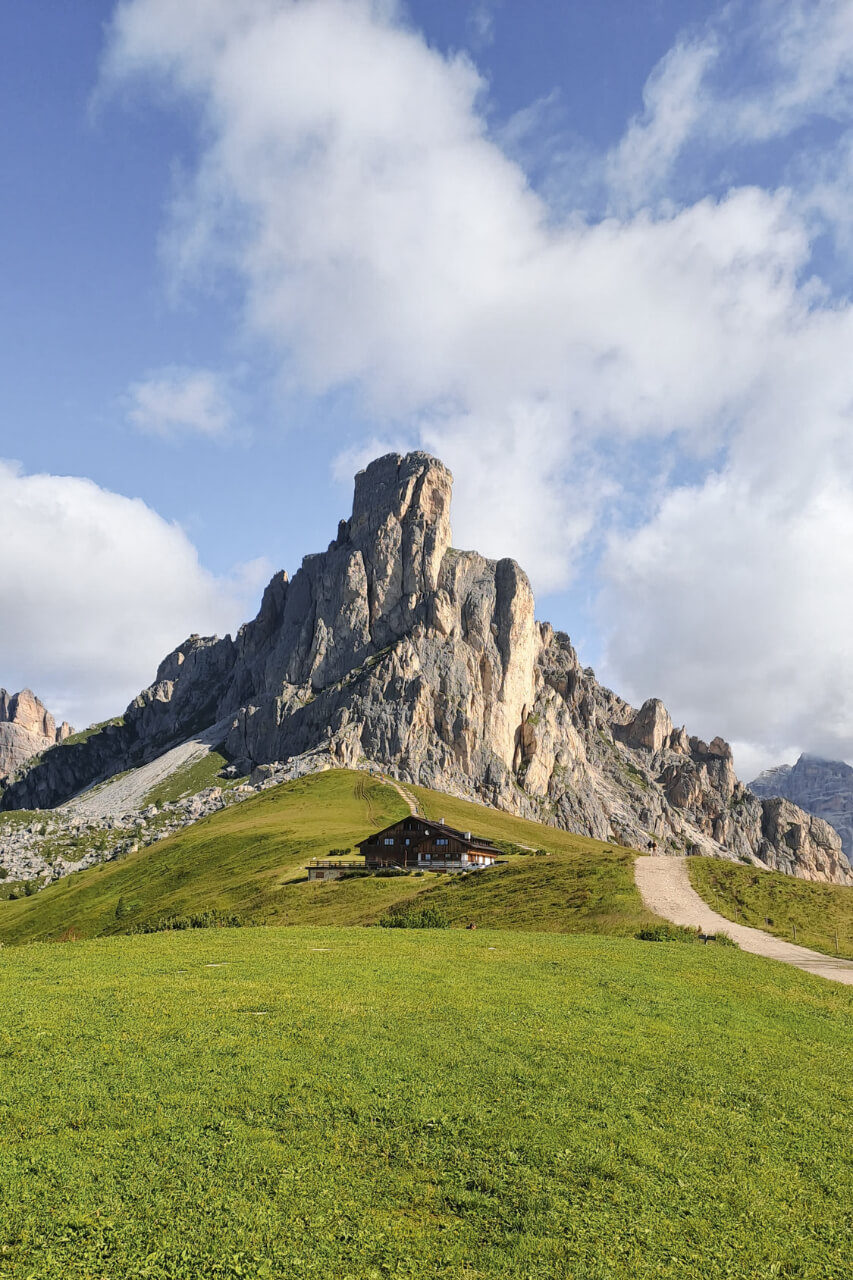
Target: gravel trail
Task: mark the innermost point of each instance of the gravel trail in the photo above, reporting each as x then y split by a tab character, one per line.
124	794
666	890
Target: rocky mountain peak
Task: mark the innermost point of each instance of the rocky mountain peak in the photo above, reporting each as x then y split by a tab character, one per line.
395	647
821	787
403	504
26	729
397	536
27	711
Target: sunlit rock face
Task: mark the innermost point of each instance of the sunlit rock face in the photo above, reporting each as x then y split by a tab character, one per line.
26	729
393	646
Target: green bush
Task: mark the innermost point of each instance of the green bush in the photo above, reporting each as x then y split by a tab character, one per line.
202	920
668	933
679	933
404	916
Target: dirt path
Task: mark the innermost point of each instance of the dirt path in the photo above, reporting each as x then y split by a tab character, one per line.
401	791
127	793
666	890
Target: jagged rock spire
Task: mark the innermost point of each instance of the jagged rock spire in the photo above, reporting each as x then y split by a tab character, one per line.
393	646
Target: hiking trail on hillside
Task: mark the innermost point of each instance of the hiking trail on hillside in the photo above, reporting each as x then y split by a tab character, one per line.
402	792
666	890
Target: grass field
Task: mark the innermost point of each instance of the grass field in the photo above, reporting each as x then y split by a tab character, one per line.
367	1103
249	859
192	778
776	903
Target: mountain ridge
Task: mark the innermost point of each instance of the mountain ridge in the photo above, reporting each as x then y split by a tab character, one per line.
395	647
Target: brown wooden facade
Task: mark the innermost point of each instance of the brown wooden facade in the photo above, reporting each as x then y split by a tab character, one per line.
417	842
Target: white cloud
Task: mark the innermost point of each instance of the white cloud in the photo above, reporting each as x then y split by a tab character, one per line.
384	240
96	588
180	401
674	102
481	22
803	66
752	758
754	73
732	601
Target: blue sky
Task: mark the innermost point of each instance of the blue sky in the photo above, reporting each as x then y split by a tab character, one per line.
596	256
88	309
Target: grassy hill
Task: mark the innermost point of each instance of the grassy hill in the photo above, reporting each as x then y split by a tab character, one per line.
777	903
249	860
365	1103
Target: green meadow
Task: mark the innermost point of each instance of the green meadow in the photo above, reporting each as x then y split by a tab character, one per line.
249	860
366	1103
815	914
544	1096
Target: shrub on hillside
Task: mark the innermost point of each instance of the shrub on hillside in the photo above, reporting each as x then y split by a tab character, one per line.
202	920
668	933
680	933
404	916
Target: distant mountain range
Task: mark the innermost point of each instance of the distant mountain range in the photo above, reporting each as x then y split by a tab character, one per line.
393	646
821	787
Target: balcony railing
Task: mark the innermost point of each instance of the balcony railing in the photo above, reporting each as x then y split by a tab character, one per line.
327	864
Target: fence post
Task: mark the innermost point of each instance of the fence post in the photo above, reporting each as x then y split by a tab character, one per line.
836	941
795	932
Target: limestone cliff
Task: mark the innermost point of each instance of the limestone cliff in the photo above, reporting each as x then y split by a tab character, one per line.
26	729
395	647
821	787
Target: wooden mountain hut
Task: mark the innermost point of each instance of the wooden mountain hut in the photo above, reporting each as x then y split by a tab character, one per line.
416	842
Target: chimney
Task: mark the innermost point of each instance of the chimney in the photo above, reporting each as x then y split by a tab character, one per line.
441	820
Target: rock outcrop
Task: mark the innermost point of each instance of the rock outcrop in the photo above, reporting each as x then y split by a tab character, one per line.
395	647
821	787
26	729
